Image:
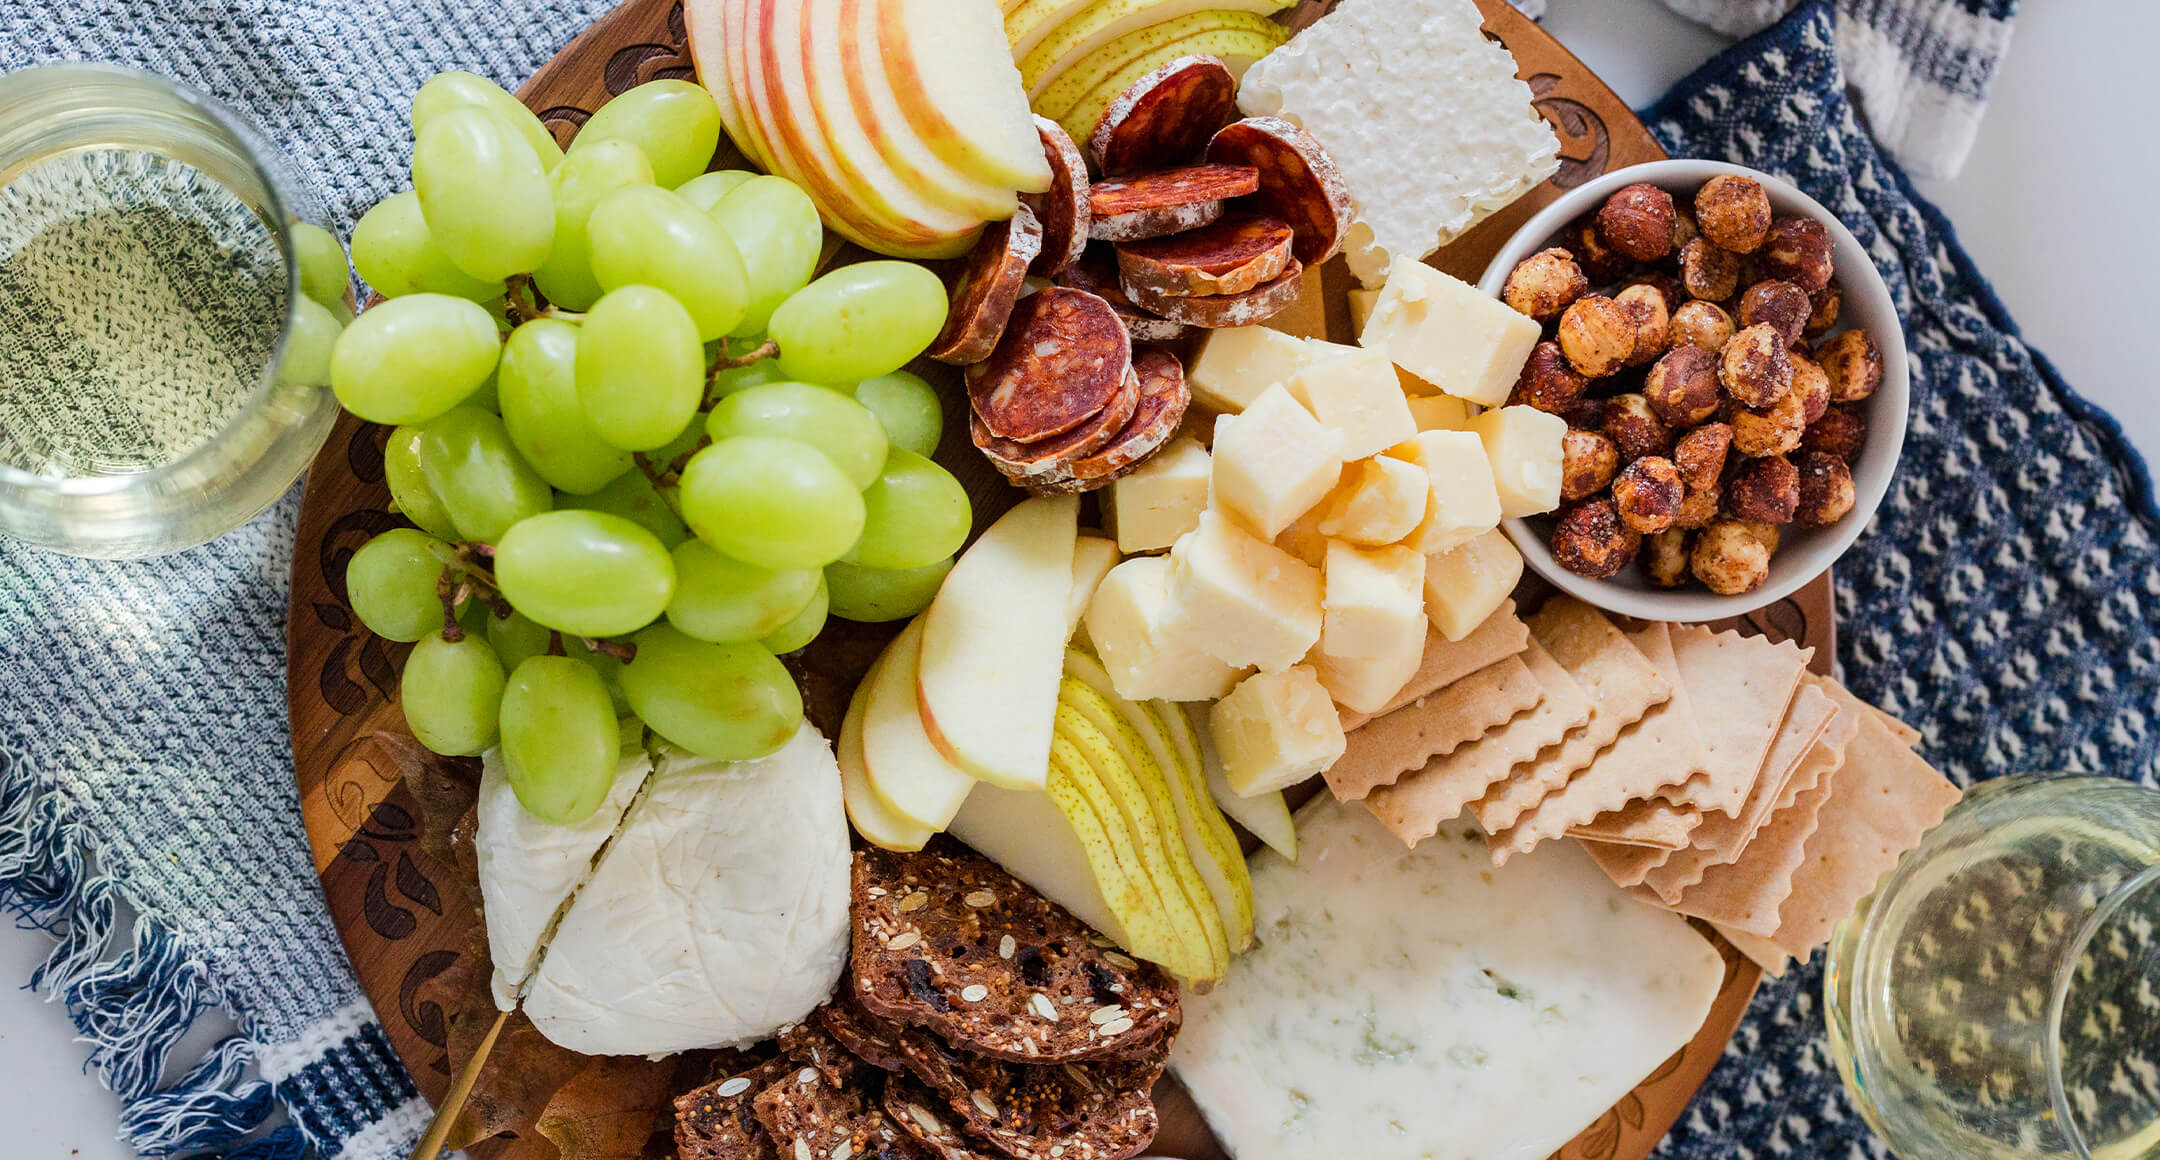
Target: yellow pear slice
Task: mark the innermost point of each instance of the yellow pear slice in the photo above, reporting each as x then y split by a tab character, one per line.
1266	815
1134	895
878	825
1105	20
1239	38
1027	22
1051	840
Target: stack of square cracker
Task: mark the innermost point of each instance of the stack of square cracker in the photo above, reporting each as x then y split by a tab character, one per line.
1697	768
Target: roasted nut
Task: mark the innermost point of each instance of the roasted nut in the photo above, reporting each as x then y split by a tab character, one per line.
1698	507
1780	305
1587	463
1709	273
1812	385
1600	263
1775	430
1674	293
1798	250
1598	335
1653	321
1685	228
1590	540
1665	558
1854	364
1826	490
1634	428
1638	221
1765	489
1733	212
1702	324
1765	534
1701	454
1647	494
1824	305
1683	387
1728	560
1547	381
1754	367
1587	414
1545	284
1842	431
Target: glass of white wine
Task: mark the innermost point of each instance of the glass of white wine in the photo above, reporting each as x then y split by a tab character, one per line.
168	301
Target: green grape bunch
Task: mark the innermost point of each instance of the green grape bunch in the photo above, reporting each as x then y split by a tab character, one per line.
645	448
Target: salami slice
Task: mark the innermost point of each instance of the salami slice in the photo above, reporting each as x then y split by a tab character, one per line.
1232	256
1064	355
1131	209
1097	273
987	285
1022	462
1063	208
1166	117
1299	182
1163	400
1222	311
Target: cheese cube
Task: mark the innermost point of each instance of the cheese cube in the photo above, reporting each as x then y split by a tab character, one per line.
1443	331
1440	413
1361	304
1304	539
1463	501
1139	644
1246	602
1523	444
1236	364
1358	395
1379	501
1371	600
1464	584
1149	509
1273	463
1368	684
1275	730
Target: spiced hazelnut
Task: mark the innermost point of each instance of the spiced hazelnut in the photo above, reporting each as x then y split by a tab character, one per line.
1854	364
1841	431
1674	293
1665	558
1588	414
1701	454
1781	306
1709	273
1653	321
1685	228
1589	539
1812	384
1698	506
1826	490
1798	250
1683	387
1733	212
1587	463
1728	560
1547	381
1702	324
1754	367
1765	534
1638	221
1544	284
1774	430
1634	428
1598	335
1647	493
1765	489
1824	305
1600	263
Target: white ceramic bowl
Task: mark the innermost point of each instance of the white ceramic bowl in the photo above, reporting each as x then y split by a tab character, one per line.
1804	553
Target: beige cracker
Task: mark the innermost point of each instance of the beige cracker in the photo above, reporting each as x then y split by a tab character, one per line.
1647	823
1436	726
1761	951
1447	661
1747	893
1740	686
1628	865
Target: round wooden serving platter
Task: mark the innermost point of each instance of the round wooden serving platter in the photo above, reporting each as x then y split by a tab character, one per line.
393	868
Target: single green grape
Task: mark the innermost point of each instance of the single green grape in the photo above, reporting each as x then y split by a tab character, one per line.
576	186
584	573
537	385
842	428
720	599
484	193
776	230
395	254
771	502
324	275
413	358
730	702
560	739
452	694
858	322
706	189
516	639
391	583
633	497
734	379
640	368
876	595
674	123
915	514
608	667
644	236
450	90
309	342
488	395
410	494
806	625
483	482
908	409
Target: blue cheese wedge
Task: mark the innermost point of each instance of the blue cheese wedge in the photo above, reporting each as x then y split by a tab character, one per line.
1411	1004
1425	118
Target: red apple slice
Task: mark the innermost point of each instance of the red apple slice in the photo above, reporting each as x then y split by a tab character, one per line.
907	773
705	25
952	70
844	57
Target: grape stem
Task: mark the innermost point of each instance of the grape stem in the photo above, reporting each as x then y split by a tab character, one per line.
655	474
522	303
465	577
447	591
555	645
621	650
728	362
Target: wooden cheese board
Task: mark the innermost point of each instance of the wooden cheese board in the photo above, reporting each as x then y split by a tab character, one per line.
397	895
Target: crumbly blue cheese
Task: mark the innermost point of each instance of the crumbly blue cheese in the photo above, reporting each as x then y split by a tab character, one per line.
1426	119
1422	1005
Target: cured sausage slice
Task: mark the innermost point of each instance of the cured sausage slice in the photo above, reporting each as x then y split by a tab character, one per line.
1166	117
1299	182
1023	462
1222	311
988	284
1063	209
1163	400
1064	355
1232	256
1097	274
1175	200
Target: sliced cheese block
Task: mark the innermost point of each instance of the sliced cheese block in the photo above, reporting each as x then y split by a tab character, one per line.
1372	600
1440	412
1246	602
1273	463
1275	730
1150	656
1523	444
1358	395
1149	509
1237	363
1442	330
1380	500
1466	583
1465	498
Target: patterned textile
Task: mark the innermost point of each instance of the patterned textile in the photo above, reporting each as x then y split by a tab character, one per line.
2003	599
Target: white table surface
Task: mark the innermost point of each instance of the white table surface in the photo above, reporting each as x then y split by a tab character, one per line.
2051	206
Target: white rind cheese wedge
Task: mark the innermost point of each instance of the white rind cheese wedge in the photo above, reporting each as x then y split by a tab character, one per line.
1419	1003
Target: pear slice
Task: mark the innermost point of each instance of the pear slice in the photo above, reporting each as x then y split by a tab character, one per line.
1093	557
1135	895
1051	840
878	825
1106	20
1266	815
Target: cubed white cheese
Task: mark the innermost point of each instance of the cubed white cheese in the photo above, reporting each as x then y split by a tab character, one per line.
1244	601
1236	364
1371	600
1465	500
1368	684
1443	331
1303	539
1361	304
1358	395
1275	730
1464	584
1273	463
1379	501
1440	413
1524	446
1148	510
1151	656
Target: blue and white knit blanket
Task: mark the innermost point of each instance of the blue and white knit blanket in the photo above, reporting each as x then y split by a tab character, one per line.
2001	602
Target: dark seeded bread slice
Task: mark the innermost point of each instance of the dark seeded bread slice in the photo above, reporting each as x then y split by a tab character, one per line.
920	1114
875	1041
716	1121
810	1118
1093	1110
810	1043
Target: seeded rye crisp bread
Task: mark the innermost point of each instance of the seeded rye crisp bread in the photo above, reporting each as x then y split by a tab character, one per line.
1415	806
809	1118
1409	738
1094	1110
808	1042
917	1111
1741	686
875	1041
716	1122
930	950
1502	635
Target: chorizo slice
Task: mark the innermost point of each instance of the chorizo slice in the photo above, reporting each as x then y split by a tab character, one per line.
1223	311
1299	182
1166	117
1064	355
985	288
1163	399
1063	208
1131	209
1232	256
1025	462
1097	273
